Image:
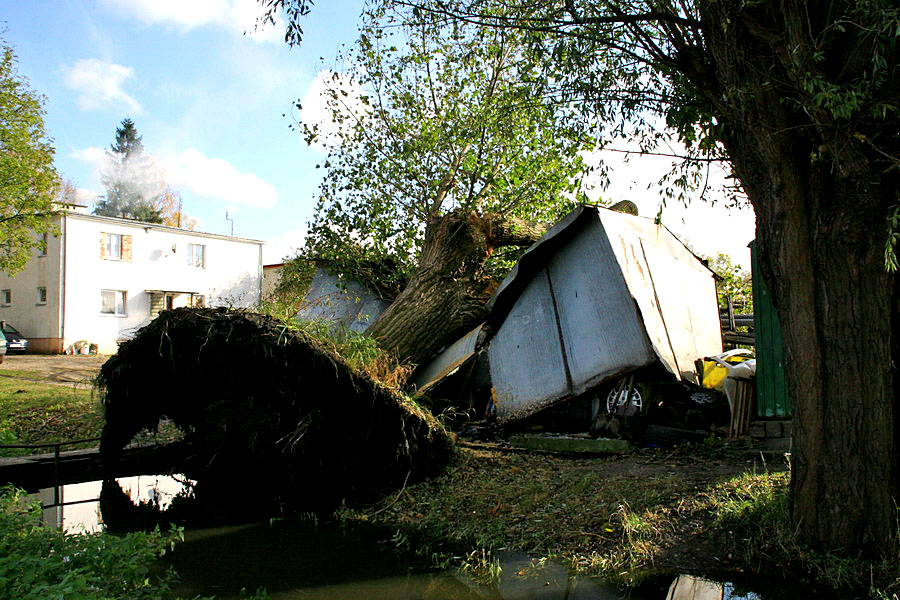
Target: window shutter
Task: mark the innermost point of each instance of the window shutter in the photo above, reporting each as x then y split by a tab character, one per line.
102	245
126	248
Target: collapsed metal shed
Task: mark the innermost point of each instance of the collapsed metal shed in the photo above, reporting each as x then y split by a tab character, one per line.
603	293
345	302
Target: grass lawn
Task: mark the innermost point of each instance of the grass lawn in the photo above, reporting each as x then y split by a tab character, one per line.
36	412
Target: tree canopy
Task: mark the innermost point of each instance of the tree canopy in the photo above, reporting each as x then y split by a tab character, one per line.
28	180
430	118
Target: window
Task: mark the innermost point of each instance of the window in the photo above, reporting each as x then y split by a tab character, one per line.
196	255
42	295
42	246
113	246
112	302
6	297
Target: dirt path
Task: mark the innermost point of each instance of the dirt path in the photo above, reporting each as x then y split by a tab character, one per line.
58	369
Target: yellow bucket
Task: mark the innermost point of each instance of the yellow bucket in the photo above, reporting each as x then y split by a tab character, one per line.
714	373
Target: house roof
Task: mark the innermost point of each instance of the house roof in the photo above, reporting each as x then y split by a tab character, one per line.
142	225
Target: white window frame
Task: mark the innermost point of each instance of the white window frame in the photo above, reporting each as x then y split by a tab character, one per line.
41	295
114	246
118	308
6	297
192	255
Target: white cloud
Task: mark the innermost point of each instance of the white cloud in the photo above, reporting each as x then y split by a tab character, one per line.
86	196
284	246
195	174
238	16
99	85
92	155
192	172
317	106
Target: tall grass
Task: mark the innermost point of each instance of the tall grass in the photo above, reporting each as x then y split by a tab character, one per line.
359	350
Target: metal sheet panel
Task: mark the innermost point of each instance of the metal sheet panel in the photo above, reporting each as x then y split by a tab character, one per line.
352	304
687	300
527	367
625	243
674	290
447	361
601	329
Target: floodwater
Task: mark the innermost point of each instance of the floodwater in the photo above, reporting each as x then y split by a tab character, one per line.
309	561
74	508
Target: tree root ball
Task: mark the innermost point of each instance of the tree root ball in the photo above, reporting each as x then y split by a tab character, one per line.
266	410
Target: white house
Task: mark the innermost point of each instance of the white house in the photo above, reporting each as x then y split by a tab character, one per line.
104	277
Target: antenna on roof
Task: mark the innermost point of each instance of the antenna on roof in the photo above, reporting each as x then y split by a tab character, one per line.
231	221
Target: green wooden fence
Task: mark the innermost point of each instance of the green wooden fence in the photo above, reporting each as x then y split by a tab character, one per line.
772	399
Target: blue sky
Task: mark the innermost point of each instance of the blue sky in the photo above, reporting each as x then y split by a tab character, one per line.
208	101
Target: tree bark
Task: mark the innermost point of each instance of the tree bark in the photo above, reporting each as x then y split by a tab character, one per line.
446	296
821	202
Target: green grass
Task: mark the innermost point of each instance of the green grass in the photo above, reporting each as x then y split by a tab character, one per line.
33	412
40	562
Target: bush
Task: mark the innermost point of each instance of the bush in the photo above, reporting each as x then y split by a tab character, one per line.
38	562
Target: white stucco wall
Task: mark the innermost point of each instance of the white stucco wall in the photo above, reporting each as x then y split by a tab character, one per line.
231	275
36	321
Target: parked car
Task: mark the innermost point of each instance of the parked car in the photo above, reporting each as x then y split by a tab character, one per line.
15	341
2	346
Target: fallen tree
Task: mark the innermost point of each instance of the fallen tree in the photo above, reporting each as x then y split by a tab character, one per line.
266	410
444	160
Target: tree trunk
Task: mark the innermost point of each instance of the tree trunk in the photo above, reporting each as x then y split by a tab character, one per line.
446	296
821	202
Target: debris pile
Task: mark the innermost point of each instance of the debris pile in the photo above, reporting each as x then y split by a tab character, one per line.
267	411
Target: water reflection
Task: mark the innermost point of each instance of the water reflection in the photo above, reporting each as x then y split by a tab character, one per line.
325	563
304	560
688	587
75	508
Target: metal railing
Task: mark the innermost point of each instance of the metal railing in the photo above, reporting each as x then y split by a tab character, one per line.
56	456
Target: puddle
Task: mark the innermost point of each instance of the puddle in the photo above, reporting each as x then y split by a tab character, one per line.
75	508
326	563
308	561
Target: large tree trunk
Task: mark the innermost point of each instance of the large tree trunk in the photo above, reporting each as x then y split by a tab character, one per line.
821	201
446	296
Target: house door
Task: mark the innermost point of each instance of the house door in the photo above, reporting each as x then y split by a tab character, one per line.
170	301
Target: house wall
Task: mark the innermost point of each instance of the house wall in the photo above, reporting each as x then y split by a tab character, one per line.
39	322
271	275
676	293
158	260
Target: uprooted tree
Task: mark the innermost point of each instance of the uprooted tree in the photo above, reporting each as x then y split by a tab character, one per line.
305	429
801	99
441	153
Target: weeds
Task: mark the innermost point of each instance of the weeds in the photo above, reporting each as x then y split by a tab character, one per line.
38	562
359	350
482	567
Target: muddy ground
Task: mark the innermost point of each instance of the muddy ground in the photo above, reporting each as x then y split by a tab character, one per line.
57	369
